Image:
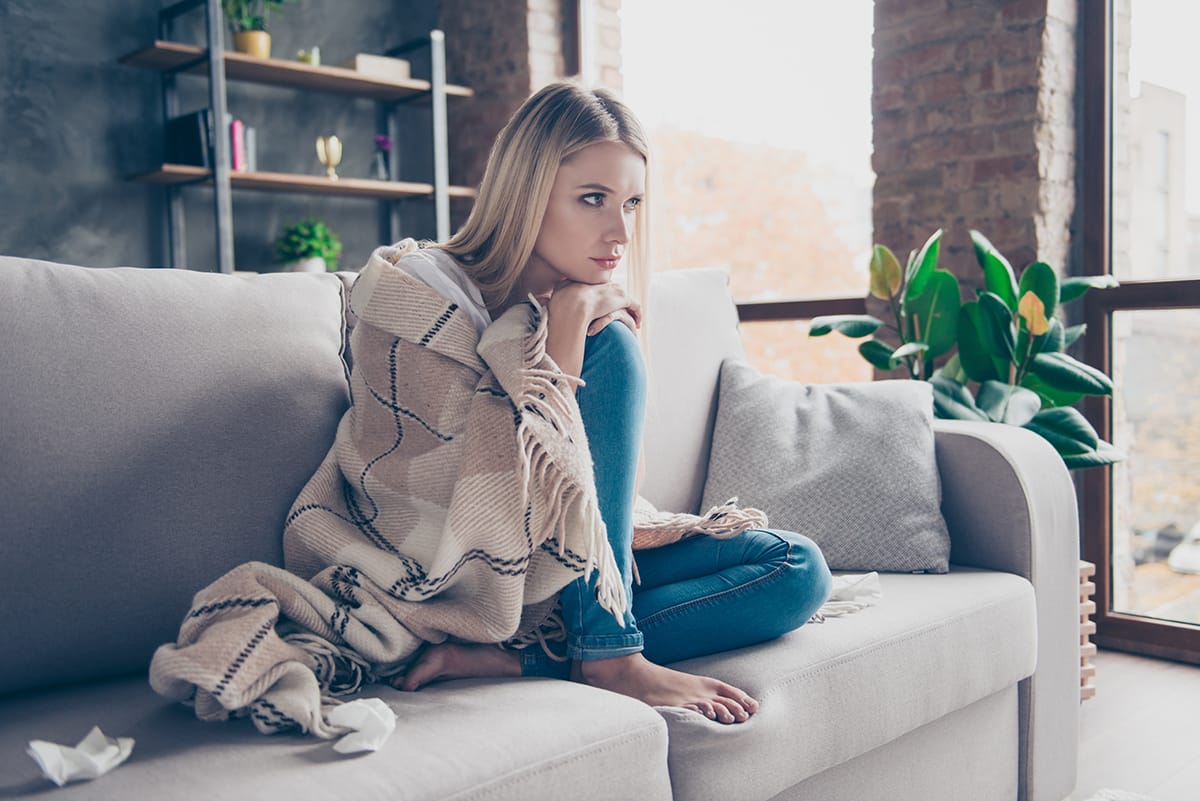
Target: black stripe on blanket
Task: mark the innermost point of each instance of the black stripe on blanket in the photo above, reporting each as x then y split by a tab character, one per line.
270	716
338	620
229	603
255	641
568	558
437	326
343	582
502	567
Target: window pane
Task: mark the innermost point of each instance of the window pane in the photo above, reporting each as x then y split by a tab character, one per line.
1156	141
786	350
1156	494
761	124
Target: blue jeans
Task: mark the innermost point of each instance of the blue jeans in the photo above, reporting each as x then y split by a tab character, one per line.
697	596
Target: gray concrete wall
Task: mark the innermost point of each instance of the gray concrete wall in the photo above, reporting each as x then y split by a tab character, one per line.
74	124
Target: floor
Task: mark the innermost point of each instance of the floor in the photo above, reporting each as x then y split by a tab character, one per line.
1141	731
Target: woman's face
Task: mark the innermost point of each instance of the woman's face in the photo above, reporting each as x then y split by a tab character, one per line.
589	218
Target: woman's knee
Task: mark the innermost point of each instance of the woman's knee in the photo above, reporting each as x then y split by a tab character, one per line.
614	353
808	578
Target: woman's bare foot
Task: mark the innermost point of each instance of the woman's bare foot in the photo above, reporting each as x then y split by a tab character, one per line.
639	678
453	661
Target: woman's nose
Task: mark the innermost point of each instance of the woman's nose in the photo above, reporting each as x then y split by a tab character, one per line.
620	227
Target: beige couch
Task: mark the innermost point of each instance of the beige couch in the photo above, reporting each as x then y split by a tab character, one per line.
157	424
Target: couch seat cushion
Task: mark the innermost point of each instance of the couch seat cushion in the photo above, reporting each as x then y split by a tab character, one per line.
472	739
832	691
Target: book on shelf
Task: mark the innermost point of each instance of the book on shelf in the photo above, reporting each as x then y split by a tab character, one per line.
237	145
251	149
189	140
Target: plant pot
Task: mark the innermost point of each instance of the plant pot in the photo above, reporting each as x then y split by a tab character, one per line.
252	43
313	264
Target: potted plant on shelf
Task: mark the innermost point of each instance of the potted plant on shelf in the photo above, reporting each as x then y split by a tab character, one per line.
1010	344
248	21
308	247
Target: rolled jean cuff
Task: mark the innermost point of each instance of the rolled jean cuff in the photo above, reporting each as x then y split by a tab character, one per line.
604	646
535	662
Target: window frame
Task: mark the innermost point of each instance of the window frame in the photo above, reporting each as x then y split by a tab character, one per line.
1116	630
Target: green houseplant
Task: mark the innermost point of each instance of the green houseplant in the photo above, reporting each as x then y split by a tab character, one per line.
1009	344
308	246
248	21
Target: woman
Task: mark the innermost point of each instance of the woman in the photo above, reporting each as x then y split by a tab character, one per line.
561	205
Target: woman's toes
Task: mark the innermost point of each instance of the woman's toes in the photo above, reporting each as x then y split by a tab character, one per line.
734	709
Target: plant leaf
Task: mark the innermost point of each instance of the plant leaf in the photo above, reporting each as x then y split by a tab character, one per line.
1050	396
1065	373
935	312
885	273
1075	287
1033	313
974	357
952	401
1066	429
1039	278
907	349
953	370
877	353
921	269
1052	341
1005	403
998	275
1073	333
997	326
852	325
1103	454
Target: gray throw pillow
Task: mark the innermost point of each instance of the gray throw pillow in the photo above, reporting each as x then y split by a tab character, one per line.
850	465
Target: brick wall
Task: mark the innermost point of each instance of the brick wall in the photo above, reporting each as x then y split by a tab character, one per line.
505	50
974	128
487	49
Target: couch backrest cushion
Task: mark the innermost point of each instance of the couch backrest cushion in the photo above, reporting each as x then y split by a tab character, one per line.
691	327
157	425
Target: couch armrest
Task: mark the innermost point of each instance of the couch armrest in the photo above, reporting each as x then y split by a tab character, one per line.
1009	503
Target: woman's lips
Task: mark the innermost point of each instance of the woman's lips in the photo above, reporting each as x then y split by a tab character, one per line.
608	264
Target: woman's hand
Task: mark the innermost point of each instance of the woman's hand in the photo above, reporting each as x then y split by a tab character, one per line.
599	304
576	311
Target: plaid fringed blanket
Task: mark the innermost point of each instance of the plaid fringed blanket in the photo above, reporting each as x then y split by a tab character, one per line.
455	502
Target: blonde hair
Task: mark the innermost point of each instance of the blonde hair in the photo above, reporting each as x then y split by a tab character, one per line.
556	122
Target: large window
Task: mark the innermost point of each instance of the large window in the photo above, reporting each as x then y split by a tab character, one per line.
1141	217
761	123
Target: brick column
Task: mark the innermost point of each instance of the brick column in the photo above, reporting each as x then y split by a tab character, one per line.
606	44
975	128
487	48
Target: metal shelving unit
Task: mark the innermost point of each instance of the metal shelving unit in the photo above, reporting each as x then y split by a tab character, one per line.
172	58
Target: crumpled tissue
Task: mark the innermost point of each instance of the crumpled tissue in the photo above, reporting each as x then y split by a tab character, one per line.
851	593
373	722
95	755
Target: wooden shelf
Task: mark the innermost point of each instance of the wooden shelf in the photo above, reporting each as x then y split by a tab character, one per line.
289	182
164	56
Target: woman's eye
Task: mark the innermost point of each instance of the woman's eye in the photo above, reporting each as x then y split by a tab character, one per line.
633	203
593	199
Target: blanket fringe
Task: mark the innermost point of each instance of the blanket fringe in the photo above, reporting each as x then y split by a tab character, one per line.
653	529
340	671
549	394
552	629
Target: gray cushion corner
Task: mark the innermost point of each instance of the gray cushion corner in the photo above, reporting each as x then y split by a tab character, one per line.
851	465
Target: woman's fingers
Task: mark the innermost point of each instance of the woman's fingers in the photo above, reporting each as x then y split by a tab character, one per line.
618	316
